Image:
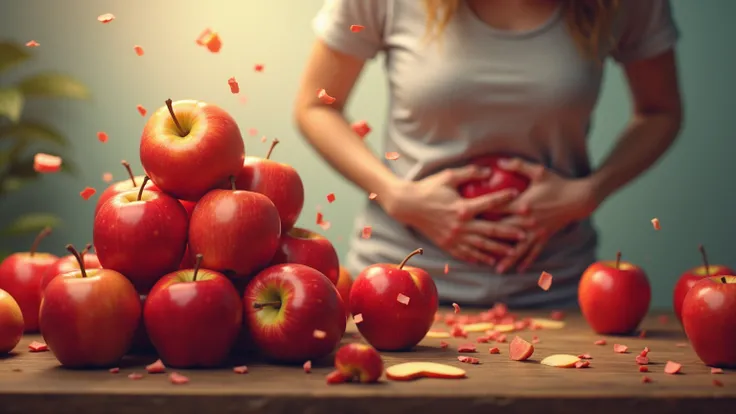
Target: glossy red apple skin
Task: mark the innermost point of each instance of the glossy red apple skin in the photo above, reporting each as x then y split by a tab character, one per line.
143	240
389	325
141	342
237	232
309	248
193	323
709	319
500	179
187	261
120	187
361	361
690	278
89	322
344	284
68	264
11	323
614	301
310	302
188	167
20	276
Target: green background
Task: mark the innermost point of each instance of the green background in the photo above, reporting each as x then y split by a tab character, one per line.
690	191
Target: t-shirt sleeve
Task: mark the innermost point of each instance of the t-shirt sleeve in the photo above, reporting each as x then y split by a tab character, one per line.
648	29
332	26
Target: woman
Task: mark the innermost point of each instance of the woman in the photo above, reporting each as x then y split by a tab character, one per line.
474	77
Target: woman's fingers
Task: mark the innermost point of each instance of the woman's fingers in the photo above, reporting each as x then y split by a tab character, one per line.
520	250
532	255
454	177
495	230
487	202
531	170
471	254
519	222
489	247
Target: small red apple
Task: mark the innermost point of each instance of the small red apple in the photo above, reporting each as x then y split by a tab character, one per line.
359	361
397	304
11	323
20	276
499	179
309	248
88	318
709	319
344	283
614	296
131	183
141	234
692	276
294	313
193	317
68	264
189	147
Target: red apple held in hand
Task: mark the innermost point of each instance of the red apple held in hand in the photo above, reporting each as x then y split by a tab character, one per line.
309	248
131	183
499	179
359	361
692	276
190	147
11	323
68	264
88	317
397	304
193	317
709	319
20	276
294	313
141	234
278	181
614	296
344	284
236	231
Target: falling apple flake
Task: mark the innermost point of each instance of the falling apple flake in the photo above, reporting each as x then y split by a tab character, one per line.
355	28
32	43
141	110
545	281
135	376
358	318
264	139
107	177
319	334
447	268
456	307
46	163
361	128
403	299
325	225
716	371
372	196
331	198
620	349
102	137
210	39
178	379
258	67
320	218
717	383
242	369
535	339
392	156
87	193
252	132
366	232
339	238
600	342
138	50
106	18
655	224
307	367
233	84
324	97
243	99
114	370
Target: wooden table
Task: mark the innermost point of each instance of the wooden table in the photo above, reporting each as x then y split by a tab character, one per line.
33	383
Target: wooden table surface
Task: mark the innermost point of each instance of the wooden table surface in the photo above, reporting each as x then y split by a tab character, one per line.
33	383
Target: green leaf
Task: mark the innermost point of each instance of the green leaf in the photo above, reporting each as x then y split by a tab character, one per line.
11	104
34	131
31	223
12	184
12	54
53	85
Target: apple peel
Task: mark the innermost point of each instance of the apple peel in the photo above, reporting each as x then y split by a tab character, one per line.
356	28
87	193
520	350
324	97
178	379
106	18
359	318
560	361
408	371
234	86
141	110
467	348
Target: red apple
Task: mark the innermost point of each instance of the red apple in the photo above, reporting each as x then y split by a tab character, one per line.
68	264
499	179
193	317
309	248
131	183
709	319
11	323
236	231
294	313
141	342
614	296
141	234
692	276
20	276
278	181
189	147
359	361
344	283
88	317
397	304
187	261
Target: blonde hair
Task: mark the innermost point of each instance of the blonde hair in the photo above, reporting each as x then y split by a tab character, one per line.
590	22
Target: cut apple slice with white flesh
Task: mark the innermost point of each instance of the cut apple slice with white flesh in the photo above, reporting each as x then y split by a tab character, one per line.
477	327
505	328
408	371
437	334
560	361
548	323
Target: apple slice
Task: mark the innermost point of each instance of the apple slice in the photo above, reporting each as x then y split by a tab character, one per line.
548	323
560	361
437	334
478	327
414	370
505	328
520	350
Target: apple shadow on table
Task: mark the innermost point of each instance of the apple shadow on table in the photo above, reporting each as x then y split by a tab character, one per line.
10	355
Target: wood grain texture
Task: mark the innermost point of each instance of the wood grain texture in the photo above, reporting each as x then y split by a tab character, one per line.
34	383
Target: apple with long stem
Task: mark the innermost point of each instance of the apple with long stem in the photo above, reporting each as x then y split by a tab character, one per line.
190	147
193	317
131	183
688	279
68	264
11	323
309	248
614	297
88	317
141	234
397	304
20	276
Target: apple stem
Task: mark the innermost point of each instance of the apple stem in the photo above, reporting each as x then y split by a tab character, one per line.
169	104
197	264
86	250
412	254
126	165
273	145
723	279
143	186
232	183
39	238
618	260
261	305
76	254
704	255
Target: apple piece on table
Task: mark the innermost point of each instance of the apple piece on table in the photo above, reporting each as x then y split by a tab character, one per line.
344	284
311	249
548	323
359	361
504	328
688	279
114	189
520	350
190	147
20	277
11	323
438	334
68	264
499	180
478	327
408	371
560	361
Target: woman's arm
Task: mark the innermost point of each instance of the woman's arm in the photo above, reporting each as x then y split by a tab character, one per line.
653	128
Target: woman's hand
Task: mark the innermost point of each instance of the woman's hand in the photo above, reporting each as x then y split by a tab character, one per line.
433	207
551	203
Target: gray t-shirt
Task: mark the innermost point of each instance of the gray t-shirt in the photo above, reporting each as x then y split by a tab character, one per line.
484	91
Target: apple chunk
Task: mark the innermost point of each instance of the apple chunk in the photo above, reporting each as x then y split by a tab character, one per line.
520	350
414	370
